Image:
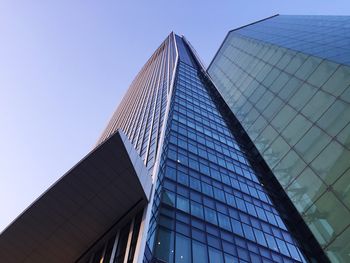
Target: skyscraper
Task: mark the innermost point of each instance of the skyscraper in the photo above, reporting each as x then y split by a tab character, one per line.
173	178
287	79
210	202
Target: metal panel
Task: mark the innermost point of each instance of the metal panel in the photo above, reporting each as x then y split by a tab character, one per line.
102	189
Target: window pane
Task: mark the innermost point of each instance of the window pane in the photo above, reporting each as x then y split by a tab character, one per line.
271	242
344	136
230	259
317	105
332	162
210	215
339	81
296	129
282	247
283	118
182	203
215	256
335	118
248	232
306	188
171	173
342	188
273	108
339	250
197	209
200	254
168	198
289	89
182	249
279	149
279	82
182	178
327	218
302	96
164	245
290	166
219	194
322	73
224	222
257	127
312	143
295	63
207	189
308	67
260	237
237	227
263	141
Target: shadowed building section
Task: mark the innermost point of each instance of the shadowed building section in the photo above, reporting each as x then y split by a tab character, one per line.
108	186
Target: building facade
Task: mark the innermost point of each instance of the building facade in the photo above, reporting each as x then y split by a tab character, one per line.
286	79
209	201
178	176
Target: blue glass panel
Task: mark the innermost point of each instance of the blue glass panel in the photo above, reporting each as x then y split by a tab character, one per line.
260	237
322	36
182	249
215	256
224	221
210	215
200	254
219	199
182	203
197	209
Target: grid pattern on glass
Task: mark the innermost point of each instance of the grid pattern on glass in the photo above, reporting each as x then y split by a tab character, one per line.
141	112
321	36
208	197
296	109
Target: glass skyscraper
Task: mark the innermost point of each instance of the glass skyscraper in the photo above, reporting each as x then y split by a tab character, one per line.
210	204
287	80
180	175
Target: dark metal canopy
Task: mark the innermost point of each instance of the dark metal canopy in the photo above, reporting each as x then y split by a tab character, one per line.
81	206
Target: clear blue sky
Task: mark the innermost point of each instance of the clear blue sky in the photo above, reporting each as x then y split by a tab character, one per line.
65	65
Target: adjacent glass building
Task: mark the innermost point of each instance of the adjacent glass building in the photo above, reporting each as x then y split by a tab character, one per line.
287	80
245	162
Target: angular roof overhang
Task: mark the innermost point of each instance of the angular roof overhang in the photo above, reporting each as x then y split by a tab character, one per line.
103	188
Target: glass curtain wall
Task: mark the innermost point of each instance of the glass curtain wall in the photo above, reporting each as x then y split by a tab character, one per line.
287	80
210	205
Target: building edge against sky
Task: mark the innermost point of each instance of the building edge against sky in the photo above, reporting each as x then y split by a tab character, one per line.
209	193
79	219
287	81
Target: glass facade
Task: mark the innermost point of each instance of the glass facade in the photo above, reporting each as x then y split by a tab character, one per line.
287	80
321	36
210	204
140	116
141	112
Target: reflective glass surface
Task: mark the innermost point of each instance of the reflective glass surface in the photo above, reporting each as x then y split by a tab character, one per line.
295	108
209	203
141	112
322	36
